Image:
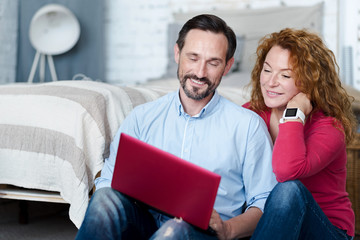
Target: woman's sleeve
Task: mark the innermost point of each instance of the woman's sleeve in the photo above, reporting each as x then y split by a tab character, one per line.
296	155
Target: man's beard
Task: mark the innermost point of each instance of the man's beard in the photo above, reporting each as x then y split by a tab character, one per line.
195	93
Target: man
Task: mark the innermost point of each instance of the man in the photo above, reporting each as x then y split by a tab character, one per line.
196	124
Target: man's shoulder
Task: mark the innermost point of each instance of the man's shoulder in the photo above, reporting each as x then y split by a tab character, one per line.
239	114
155	107
231	106
165	99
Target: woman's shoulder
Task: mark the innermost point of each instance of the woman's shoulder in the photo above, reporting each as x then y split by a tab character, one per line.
319	120
246	105
319	117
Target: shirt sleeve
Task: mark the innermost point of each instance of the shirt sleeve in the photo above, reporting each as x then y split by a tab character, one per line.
258	175
107	171
296	156
129	126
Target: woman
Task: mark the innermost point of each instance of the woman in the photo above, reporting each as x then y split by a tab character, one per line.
297	91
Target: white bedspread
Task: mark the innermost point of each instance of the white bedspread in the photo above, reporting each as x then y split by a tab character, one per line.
54	136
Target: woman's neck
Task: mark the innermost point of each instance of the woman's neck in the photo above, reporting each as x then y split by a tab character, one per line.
276	114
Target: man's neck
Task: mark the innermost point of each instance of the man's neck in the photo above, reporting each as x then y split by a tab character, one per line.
191	106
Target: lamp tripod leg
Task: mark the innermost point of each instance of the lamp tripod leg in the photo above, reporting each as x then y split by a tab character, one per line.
34	66
42	68
52	67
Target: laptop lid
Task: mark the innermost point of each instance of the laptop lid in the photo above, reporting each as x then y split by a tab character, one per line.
164	181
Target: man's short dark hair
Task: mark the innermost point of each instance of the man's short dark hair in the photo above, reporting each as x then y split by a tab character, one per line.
212	23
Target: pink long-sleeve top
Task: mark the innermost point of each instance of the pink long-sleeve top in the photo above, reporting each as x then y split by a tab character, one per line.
316	155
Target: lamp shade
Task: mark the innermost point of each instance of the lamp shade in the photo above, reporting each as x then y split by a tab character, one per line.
54	29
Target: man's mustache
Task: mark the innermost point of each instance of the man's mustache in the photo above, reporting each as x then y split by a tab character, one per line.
193	76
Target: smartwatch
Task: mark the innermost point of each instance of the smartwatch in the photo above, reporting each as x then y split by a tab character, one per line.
292	113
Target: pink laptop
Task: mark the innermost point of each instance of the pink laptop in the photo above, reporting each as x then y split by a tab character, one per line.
165	181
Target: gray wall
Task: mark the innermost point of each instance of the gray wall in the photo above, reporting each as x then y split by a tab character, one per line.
87	56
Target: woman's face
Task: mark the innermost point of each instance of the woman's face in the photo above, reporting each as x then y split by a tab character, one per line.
276	79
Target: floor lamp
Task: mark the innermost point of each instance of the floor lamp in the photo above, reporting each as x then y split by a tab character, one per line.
54	30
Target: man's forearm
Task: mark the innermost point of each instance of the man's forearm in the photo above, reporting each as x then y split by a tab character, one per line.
244	225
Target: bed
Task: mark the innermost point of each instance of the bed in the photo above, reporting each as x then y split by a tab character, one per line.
54	137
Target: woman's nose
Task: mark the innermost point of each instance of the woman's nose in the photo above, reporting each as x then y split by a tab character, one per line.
273	81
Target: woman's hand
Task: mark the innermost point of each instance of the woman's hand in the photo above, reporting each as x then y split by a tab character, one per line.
301	101
221	228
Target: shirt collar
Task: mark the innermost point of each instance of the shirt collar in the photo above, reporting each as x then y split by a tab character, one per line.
206	110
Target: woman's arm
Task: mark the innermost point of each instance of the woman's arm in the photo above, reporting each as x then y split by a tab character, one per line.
302	153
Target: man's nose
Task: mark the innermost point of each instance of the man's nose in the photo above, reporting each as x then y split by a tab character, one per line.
201	70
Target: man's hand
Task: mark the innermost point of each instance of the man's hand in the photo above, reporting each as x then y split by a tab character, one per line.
222	229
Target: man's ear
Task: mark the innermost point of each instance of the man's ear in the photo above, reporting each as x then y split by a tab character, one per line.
228	65
176	53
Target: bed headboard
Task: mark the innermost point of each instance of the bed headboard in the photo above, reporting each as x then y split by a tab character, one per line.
250	25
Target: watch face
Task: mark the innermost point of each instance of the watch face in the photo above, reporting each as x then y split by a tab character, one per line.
290	112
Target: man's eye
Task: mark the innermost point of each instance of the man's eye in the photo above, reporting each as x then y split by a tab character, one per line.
215	64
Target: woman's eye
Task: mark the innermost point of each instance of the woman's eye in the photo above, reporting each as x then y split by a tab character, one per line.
266	70
286	76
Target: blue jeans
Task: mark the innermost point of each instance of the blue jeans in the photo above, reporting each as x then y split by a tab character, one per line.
177	229
292	213
112	215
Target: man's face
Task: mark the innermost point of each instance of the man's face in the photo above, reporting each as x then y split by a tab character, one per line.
202	63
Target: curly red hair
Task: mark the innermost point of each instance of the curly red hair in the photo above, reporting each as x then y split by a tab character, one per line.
315	73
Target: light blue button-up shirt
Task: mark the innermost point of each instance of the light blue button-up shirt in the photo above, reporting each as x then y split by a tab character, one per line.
224	138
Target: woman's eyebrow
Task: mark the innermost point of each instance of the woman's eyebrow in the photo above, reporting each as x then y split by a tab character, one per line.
283	69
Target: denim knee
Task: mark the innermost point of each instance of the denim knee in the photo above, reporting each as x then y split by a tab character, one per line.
102	213
105	205
101	194
172	229
286	195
